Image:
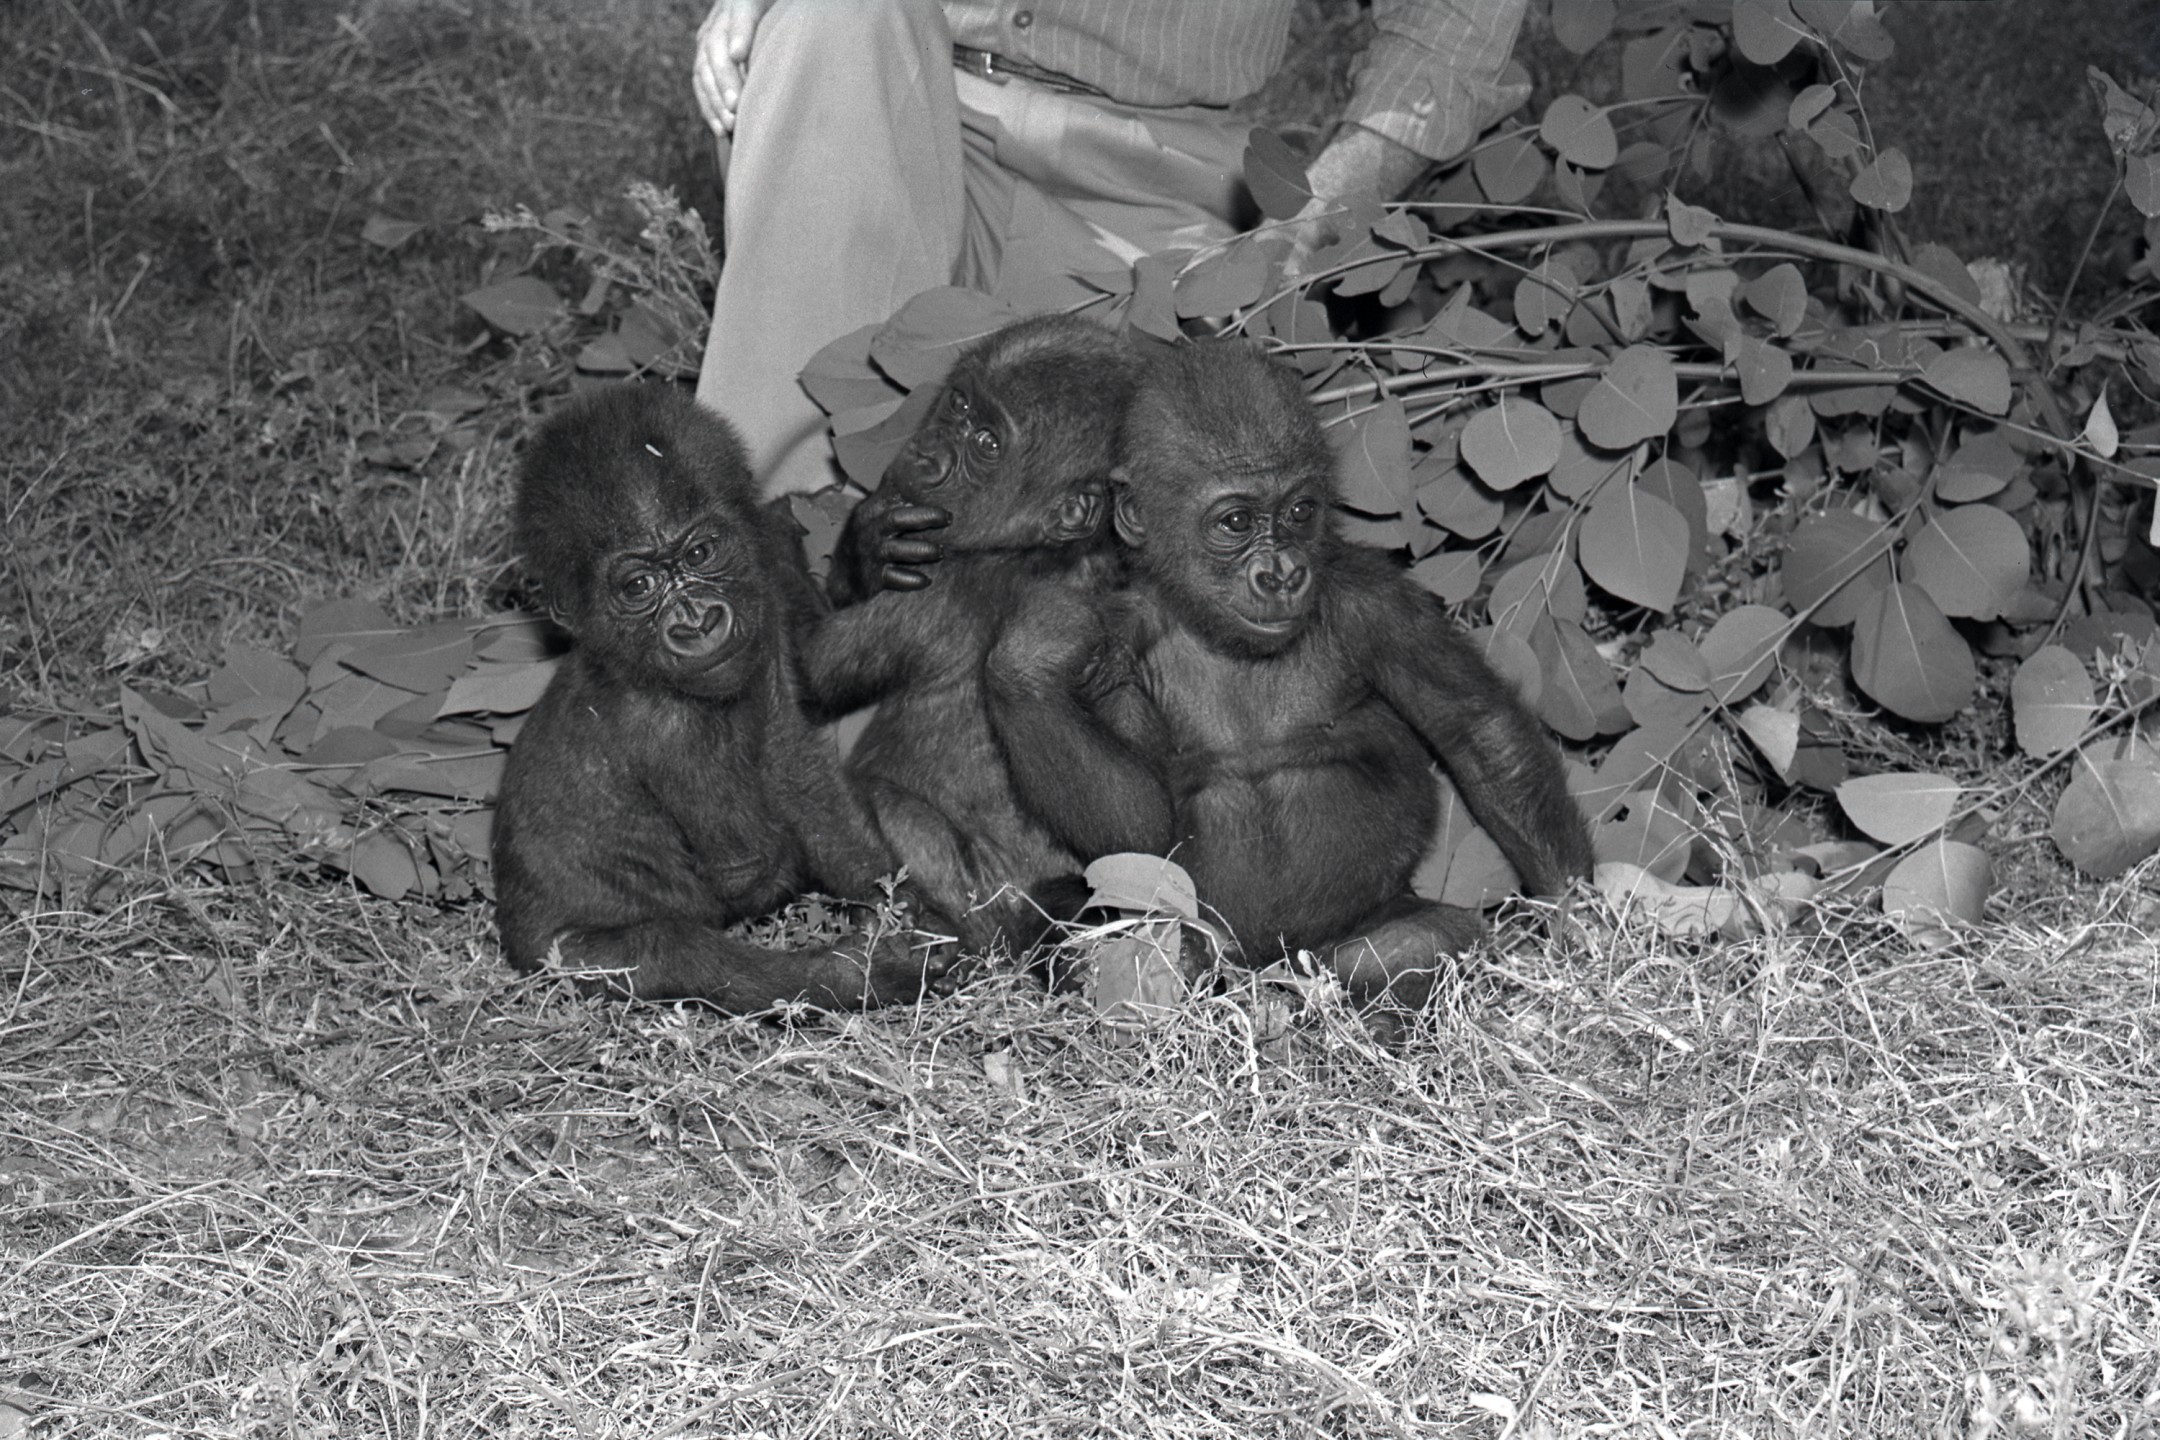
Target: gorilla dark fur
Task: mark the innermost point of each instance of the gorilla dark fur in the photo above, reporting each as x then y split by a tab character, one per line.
668	784
1263	700
1014	457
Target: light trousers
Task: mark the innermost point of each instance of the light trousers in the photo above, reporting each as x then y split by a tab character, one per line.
865	169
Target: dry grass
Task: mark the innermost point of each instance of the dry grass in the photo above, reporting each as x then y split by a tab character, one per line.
201	359
291	1163
279	1161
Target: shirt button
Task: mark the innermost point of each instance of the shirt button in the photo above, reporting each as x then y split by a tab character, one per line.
1023	19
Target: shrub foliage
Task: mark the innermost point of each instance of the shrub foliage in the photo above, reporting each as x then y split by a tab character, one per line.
1727	503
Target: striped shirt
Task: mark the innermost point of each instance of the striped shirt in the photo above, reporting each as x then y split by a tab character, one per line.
1431	79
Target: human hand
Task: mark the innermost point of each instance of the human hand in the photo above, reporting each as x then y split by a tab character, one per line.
1357	164
1311	230
723	58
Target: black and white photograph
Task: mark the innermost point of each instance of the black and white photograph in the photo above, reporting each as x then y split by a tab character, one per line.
1079	719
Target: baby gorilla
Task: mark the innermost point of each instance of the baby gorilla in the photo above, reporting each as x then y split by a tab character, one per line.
1014	458
1263	700
667	784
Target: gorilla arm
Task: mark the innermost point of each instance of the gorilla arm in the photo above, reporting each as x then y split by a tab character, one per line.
1495	750
859	654
1076	728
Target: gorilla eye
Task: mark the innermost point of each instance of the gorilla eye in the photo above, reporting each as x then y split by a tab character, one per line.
985	443
1301	514
639	587
1236	522
700	554
956	401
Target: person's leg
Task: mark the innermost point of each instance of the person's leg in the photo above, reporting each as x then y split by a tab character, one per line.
1060	185
843	199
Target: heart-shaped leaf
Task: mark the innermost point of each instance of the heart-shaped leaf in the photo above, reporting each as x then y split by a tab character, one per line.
251	674
2141	182
1648	834
1545	295
1453	575
424	658
1886	183
2100	431
1674	909
1972	560
919	344
1765	30
1978	468
2108	818
1635	546
1776	734
1765	370
1974	374
1145	884
1652	703
1789	425
387	233
1779	295
1580	698
498	689
1947	881
1453	501
1462	866
521	305
1581	133
1509	169
1636	399
1808	104
1741	648
1690	224
1275	175
1580	25
1675	660
1376	461
2052	700
1849	24
1908	659
1513	441
1941	264
1222	282
1833	562
1899	808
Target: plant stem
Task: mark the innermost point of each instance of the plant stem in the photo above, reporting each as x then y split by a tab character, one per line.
2092	237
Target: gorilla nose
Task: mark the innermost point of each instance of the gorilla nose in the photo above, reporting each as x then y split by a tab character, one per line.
914	470
1281	579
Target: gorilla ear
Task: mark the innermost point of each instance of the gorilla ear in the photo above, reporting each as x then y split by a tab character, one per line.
558	603
1125	509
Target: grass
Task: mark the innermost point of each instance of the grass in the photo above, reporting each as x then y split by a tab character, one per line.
196	346
285	1164
278	1160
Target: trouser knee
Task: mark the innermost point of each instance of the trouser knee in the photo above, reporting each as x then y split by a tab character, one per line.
837	42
